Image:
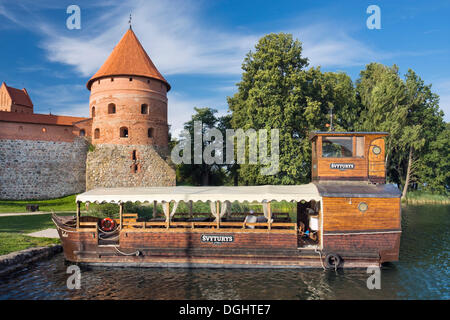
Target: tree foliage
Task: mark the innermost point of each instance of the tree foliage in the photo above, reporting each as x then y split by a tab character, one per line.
279	91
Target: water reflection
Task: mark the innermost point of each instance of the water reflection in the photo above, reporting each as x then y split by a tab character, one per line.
421	273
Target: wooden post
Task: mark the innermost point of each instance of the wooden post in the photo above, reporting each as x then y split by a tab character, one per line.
218	214
121	214
191	214
78	213
269	215
167	209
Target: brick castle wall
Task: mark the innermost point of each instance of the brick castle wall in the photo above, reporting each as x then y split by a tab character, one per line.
42	169
110	166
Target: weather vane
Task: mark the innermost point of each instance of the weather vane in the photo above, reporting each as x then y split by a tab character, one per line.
129	21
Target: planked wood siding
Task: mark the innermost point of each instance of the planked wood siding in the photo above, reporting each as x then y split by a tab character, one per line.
368	167
342	214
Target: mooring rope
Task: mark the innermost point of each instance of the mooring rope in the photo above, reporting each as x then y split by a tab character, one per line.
320	257
136	253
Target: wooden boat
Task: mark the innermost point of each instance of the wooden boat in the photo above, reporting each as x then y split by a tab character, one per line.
346	217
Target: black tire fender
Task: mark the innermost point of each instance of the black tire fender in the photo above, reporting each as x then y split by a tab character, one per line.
332	260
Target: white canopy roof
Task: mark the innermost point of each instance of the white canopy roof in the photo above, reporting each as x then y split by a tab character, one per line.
305	192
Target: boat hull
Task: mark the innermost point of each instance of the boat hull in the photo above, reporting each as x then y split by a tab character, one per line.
186	248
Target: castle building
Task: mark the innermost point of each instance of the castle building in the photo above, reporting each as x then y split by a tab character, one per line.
15	100
128	108
124	142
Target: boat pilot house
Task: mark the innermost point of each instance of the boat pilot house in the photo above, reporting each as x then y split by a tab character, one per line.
346	217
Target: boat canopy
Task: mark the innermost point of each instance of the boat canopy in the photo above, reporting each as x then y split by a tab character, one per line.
264	193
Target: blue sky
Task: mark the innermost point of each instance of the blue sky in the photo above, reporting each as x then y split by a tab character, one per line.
199	45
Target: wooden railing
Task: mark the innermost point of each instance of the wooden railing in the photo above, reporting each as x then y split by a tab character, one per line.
89	226
211	224
130	222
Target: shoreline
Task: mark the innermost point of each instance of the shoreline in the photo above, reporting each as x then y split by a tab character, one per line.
19	259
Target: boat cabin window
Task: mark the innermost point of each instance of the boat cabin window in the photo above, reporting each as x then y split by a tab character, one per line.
337	147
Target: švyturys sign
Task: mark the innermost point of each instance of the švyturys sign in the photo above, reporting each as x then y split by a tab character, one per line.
342	166
216	239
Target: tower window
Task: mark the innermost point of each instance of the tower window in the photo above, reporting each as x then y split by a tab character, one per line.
144	109
111	108
150	132
112	79
96	133
131	79
135	168
134	155
93	112
82	133
124	132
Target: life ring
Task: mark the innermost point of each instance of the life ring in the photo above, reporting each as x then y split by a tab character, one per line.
332	260
107	224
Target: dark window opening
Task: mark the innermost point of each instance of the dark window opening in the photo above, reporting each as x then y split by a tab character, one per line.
93	112
134	155
135	168
150	132
112	79
144	109
111	108
97	133
124	132
131	79
82	133
337	147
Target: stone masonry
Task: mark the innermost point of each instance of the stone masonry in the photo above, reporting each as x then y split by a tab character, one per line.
110	166
42	169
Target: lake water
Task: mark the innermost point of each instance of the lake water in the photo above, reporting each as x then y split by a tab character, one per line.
421	273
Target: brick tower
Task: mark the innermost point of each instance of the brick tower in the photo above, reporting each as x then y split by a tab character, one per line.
128	107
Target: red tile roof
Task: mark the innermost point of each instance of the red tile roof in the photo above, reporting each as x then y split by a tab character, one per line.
128	58
39	118
19	97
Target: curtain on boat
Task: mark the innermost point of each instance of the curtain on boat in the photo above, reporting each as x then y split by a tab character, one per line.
265	209
170	214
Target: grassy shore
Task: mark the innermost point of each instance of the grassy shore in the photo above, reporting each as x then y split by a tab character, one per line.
59	204
418	197
13	230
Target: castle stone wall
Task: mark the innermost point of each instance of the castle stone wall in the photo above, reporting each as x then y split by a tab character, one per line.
42	169
110	166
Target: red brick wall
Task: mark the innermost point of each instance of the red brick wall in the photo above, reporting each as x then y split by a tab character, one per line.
128	97
32	131
193	240
386	244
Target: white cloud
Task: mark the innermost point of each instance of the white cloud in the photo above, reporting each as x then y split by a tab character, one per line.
179	42
328	46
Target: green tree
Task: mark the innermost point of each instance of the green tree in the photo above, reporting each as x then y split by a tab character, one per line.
407	109
434	166
277	92
200	174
